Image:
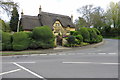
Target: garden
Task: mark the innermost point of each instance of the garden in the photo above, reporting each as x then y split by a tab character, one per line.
43	38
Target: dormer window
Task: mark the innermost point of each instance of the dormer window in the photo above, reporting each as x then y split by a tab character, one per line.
57	24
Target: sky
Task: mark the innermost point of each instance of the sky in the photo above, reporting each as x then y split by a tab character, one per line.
64	7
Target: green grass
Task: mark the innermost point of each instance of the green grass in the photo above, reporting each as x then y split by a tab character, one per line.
118	37
14	53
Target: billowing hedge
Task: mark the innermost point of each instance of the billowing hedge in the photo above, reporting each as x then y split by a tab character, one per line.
93	35
42	37
20	41
6	41
85	34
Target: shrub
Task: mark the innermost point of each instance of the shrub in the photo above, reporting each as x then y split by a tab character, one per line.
97	31
33	44
79	37
93	35
6	41
99	38
43	36
73	32
85	34
20	41
71	40
43	33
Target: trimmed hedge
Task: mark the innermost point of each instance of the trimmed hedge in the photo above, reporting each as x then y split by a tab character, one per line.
71	40
97	31
6	41
93	35
85	34
20	41
42	37
79	37
99	38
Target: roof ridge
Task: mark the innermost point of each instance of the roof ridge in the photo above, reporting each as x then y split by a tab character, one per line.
55	14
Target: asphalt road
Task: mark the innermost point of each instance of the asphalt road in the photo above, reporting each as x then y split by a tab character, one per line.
97	62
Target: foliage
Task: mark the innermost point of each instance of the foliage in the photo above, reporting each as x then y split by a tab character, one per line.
79	37
43	36
80	22
93	35
20	41
97	31
14	19
6	41
99	38
84	44
7	5
4	26
71	40
73	33
85	34
113	13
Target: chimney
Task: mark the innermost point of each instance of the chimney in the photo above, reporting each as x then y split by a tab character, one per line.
22	13
40	9
71	17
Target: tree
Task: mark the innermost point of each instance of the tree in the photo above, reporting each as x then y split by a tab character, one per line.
80	22
14	19
112	14
86	12
7	5
97	17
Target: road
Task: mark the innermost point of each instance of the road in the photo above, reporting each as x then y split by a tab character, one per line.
97	62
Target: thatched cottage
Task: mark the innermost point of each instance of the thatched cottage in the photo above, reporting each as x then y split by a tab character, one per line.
60	24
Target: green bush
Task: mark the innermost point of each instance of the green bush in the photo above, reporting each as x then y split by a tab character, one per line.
6	41
20	41
43	33
79	37
93	35
71	40
85	34
43	36
74	33
99	38
97	31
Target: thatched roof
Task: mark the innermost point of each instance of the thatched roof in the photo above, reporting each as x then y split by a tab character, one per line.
44	18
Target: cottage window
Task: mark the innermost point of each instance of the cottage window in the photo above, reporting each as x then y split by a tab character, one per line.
57	24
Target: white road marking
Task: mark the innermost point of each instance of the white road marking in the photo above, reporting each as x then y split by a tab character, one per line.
52	54
35	74
111	63
112	53
62	54
22	62
16	62
76	62
43	54
101	53
10	71
89	63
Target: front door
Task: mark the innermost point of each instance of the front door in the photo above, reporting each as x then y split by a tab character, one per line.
59	40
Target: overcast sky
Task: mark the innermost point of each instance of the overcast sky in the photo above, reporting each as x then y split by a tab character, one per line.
64	7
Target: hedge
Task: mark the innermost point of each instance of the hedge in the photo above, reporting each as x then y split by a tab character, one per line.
93	35
79	37
20	41
6	41
42	37
99	38
85	34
